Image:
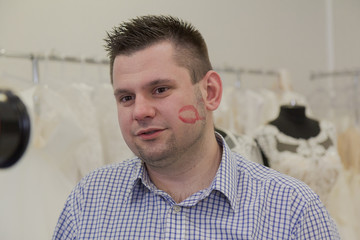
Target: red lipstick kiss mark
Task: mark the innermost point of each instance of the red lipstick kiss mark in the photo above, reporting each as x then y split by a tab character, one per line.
189	118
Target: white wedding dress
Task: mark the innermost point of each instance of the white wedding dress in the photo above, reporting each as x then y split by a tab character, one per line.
314	161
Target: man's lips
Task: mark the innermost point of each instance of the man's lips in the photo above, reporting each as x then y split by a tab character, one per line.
149	133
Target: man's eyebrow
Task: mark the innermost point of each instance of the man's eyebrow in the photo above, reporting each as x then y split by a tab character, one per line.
150	84
120	91
158	82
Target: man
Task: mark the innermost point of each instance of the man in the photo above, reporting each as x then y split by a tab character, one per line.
185	182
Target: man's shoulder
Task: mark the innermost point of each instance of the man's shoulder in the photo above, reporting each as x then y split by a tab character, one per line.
267	180
111	175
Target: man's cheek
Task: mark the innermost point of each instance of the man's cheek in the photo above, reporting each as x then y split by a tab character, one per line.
189	114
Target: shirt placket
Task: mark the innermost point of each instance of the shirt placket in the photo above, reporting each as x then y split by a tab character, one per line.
175	223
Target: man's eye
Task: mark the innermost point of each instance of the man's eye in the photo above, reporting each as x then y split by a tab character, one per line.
126	99
161	90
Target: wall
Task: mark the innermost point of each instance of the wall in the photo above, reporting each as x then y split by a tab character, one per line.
248	33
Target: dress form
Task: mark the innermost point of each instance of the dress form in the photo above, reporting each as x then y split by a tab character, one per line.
292	121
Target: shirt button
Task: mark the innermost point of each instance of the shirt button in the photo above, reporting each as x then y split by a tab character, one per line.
177	208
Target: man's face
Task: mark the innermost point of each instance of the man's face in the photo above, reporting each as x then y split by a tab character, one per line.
161	113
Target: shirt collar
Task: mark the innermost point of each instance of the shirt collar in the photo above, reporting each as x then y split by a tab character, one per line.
225	180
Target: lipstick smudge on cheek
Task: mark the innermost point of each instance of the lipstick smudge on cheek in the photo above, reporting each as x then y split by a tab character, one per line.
189	114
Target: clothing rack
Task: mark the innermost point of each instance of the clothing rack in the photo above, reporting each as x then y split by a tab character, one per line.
338	73
239	72
54	57
253	71
35	58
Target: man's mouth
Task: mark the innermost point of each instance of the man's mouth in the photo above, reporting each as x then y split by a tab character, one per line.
149	134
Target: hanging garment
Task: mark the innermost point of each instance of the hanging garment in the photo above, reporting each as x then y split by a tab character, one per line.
65	145
240	111
242	144
343	204
114	147
349	150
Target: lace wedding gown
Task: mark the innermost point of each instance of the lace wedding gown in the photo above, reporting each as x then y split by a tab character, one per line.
314	161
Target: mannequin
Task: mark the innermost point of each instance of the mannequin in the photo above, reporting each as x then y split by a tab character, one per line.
301	147
292	121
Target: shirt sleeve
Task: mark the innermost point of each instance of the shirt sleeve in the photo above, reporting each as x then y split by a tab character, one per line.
66	227
315	222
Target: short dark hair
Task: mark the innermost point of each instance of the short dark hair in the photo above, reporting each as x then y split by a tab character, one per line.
144	31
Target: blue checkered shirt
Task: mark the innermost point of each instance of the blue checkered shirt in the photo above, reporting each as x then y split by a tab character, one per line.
245	201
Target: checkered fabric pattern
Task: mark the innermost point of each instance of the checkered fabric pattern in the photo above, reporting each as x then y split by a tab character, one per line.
245	201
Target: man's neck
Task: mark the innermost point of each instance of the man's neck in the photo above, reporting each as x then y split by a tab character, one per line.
193	175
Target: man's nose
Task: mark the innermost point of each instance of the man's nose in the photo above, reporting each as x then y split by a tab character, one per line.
143	108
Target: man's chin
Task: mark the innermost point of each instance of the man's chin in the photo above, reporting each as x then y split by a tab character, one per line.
154	159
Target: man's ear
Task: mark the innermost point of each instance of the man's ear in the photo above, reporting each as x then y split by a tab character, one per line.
211	86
